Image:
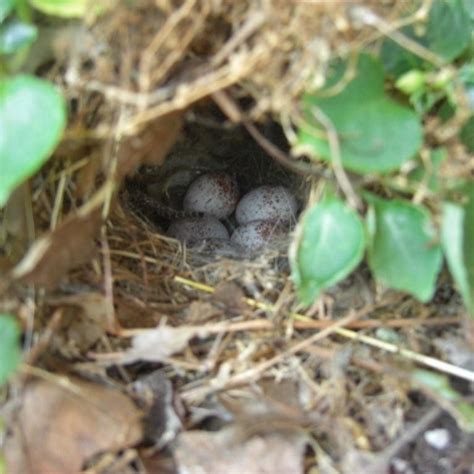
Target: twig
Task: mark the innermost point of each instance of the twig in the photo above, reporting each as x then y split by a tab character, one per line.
366	16
336	161
436	364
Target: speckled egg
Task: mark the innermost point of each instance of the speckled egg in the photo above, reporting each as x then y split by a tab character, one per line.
255	235
221	248
215	194
267	203
196	229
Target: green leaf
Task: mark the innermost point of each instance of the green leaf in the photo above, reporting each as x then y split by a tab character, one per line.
63	8
6	6
402	249
450	399
469	6
32	120
430	177
467	134
16	35
375	133
331	245
9	346
398	60
453	245
468	247
449	28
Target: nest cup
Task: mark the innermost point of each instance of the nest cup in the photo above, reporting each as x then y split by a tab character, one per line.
210	146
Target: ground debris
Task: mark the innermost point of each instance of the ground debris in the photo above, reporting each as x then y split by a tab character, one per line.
57	429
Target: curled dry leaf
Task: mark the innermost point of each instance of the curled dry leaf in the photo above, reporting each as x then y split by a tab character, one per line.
85	319
57	429
55	253
199	312
15	222
230	296
152	145
157	344
94	306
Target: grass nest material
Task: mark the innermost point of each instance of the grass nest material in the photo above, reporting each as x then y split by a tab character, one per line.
242	357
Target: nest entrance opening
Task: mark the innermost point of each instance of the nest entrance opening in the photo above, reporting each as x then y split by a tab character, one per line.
210	145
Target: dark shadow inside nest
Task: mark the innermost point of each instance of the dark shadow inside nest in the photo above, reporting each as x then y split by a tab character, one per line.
207	145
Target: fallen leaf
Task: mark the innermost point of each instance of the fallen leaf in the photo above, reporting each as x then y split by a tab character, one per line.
155	345
201	312
55	253
268	402
15	222
151	146
230	296
81	327
93	304
227	451
87	178
55	429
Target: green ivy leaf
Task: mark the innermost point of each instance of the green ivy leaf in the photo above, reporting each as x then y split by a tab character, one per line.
63	8
468	247
32	120
453	401
6	6
453	244
331	245
449	28
9	346
398	60
430	176
469	6
402	249
467	134
16	35
375	133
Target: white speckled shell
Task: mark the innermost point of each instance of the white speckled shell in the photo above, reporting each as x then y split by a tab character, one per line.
215	194
196	229
267	203
255	235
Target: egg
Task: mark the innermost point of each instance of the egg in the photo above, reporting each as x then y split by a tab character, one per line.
267	203
193	230
221	248
255	235
215	194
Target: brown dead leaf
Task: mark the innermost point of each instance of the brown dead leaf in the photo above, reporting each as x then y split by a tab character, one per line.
157	344
201	312
95	306
86	178
268	399
52	255
55	429
230	452
230	296
85	320
160	462
17	222
151	146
